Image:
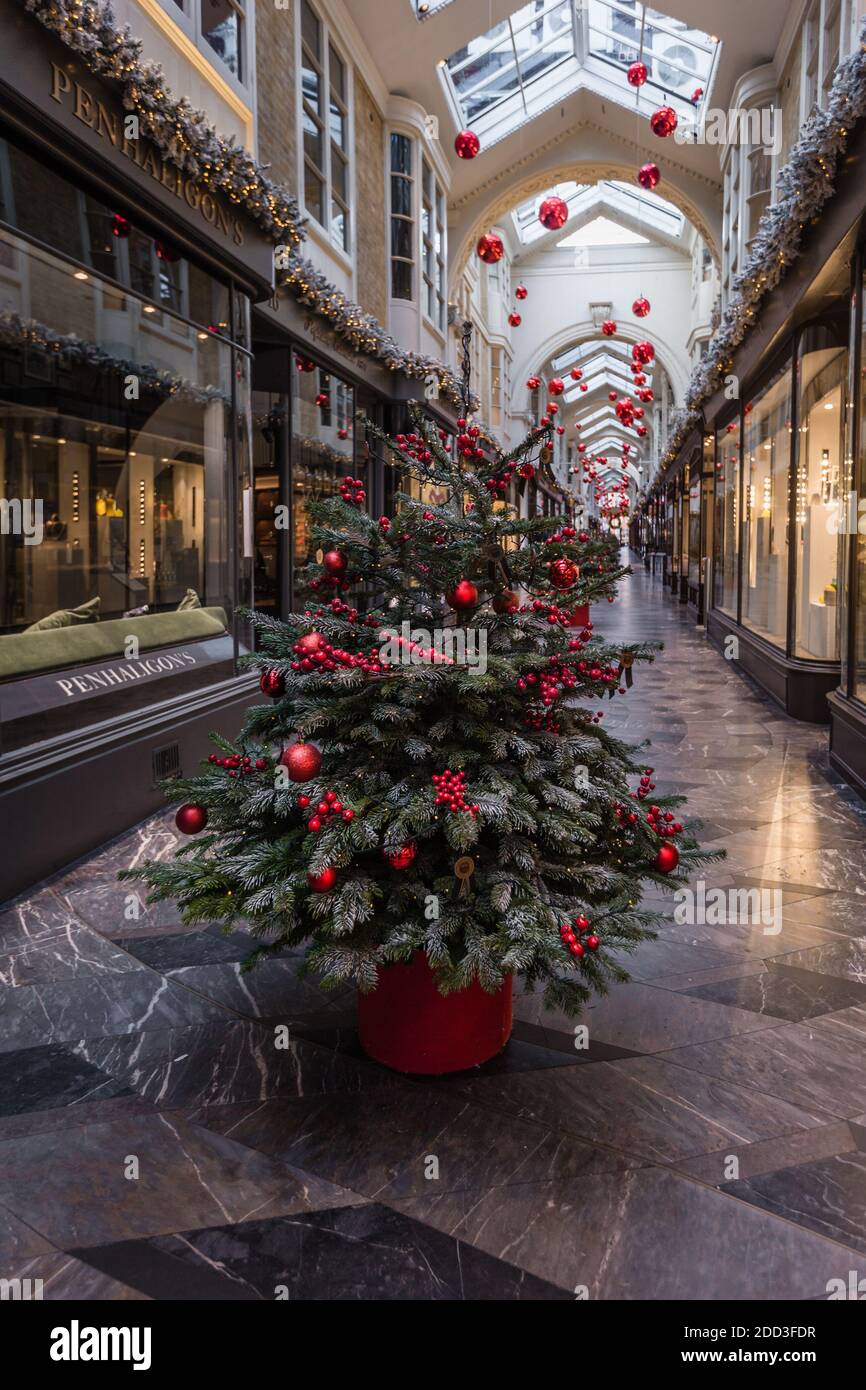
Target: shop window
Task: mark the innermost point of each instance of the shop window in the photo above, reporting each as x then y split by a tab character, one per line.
818	494
325	124
726	531
402	217
767	439
694	526
433	246
322	448
857	585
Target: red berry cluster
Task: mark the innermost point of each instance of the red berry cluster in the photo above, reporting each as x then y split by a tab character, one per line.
328	809
625	817
646	785
553	612
450	791
238	766
663	823
467	440
415	446
569	934
316	653
547	685
352	490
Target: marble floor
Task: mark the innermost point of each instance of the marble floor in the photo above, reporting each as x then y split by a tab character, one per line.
709	1144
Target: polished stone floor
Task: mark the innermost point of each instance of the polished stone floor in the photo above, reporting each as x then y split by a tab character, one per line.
710	1143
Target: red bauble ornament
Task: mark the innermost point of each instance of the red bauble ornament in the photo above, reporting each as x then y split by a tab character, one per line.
643	352
564	574
272	684
335	562
576	373
649	176
533	383
310	643
611	395
667	859
506	602
641	307
467	144
463	595
120	226
608	328
637	74
303	761
696	95
166	253
663	122
405	856
191	818
521	292
553	213
323	882
490	248
515	320
556	386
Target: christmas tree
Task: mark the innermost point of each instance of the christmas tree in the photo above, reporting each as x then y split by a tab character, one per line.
431	770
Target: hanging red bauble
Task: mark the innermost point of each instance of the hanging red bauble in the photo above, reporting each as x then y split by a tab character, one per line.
521	292
583	386
302	760
467	144
272	684
642	430
323	882
663	122
696	95
464	595
641	307
553	213
490	248
166	253
564	574
191	818
335	562
403	857
515	320
556	386
667	859
649	176
611	395
608	328
533	383
322	400
637	74
643	352
506	602
120	226
576	373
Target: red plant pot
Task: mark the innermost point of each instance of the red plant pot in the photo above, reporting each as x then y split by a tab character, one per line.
406	1024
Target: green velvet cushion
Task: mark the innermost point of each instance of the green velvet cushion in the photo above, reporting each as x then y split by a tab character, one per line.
22	653
68	617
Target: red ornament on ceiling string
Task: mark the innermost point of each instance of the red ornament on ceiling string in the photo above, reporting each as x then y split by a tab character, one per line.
556	386
533	383
191	818
303	761
515	320
490	248
608	328
643	352
611	395
521	292
649	176
696	95
576	373
637	74
641	307
663	122
166	253
120	226
553	213
467	144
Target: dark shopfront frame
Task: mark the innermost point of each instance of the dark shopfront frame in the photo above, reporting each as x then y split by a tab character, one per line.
63	796
800	685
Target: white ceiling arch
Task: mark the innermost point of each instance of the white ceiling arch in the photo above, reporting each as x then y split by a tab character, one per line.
538	359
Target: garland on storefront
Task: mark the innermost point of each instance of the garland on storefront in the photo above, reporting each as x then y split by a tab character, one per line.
187	139
805	185
362	332
70	350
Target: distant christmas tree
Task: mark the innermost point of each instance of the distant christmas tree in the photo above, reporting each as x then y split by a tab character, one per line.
428	772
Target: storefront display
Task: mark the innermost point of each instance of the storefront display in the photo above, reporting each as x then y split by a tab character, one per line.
767	430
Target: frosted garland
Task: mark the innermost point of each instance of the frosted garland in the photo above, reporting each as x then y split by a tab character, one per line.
805	185
185	137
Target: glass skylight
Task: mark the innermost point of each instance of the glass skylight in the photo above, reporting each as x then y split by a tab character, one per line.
642	208
548	48
602	232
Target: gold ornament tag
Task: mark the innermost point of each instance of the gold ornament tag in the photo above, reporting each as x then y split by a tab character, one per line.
546	456
463	871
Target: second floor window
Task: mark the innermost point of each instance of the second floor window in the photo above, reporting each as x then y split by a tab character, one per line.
402	220
433	246
222	26
325	121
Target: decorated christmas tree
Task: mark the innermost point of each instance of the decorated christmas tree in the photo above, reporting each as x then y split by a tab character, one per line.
430	771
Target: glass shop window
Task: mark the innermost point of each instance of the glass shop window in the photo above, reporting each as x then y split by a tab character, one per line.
694	526
323	447
820	444
726	531
131	485
857	586
766	464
